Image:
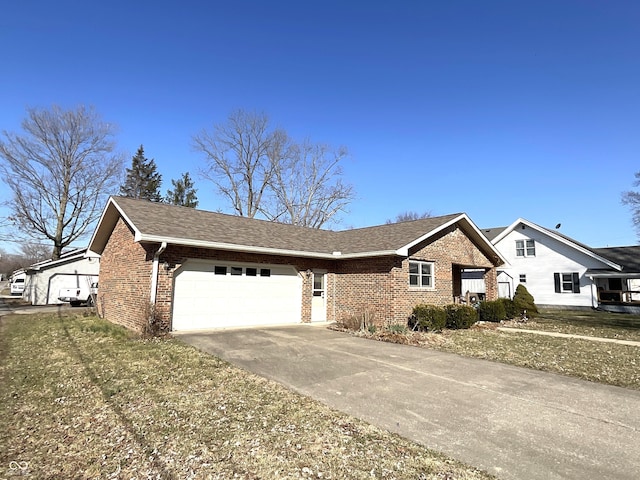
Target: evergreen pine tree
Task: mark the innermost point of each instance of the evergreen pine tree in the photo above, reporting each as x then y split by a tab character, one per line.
143	181
183	192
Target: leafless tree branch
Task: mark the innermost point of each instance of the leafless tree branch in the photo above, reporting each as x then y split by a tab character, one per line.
59	172
263	171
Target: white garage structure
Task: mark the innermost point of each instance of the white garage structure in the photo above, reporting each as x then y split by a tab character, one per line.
210	294
74	269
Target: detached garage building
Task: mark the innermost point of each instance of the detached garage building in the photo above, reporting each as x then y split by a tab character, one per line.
74	269
191	269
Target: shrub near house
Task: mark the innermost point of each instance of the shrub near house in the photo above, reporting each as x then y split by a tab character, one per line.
524	303
431	318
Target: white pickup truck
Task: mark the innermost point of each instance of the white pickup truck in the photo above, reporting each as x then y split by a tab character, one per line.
79	295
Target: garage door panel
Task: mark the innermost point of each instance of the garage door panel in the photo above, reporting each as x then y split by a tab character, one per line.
203	299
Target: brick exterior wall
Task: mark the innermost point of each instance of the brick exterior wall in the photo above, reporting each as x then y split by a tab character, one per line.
381	285
377	285
125	279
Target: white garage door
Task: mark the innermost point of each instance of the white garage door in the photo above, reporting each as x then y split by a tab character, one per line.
212	295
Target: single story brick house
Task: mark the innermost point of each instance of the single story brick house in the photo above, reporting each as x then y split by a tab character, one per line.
198	270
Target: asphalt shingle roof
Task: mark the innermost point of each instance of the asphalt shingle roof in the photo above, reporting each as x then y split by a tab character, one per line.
627	257
492	233
183	223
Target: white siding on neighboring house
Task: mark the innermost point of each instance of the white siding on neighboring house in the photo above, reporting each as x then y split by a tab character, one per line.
46	279
553	261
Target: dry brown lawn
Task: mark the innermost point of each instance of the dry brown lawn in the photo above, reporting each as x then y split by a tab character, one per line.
83	399
608	363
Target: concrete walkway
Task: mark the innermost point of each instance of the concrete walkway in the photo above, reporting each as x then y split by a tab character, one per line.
570	335
513	422
4	308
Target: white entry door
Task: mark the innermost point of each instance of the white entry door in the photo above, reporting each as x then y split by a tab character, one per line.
504	290
319	299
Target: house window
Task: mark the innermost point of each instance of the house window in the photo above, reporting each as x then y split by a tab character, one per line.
525	248
567	282
236	270
265	272
421	274
219	270
523	278
251	272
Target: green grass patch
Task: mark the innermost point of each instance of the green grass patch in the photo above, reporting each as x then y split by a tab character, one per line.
82	398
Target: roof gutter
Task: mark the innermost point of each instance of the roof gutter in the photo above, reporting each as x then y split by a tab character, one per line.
154	272
263	250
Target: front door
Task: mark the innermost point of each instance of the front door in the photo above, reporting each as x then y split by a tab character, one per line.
318	301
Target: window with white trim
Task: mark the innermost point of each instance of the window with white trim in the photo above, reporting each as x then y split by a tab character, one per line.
567	282
420	274
523	278
525	248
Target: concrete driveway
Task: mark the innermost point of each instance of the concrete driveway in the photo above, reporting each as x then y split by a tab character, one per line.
512	422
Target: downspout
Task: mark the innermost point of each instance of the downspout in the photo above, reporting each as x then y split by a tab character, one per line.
154	272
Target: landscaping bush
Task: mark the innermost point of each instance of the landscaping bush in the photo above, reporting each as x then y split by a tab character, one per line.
523	300
492	311
460	316
428	318
351	322
397	328
510	309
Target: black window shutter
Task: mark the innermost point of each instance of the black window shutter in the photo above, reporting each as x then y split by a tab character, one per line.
576	283
556	280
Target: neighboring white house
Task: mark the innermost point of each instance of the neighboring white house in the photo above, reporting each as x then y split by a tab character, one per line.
72	270
559	271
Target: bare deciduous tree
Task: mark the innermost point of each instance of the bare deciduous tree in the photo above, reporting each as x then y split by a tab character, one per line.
632	198
408	216
307	186
59	171
261	170
34	252
239	158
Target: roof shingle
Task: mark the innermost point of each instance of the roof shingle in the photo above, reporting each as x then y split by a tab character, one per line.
182	223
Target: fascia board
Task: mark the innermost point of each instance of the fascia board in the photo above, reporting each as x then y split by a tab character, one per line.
60	261
507	230
485	239
92	241
103	229
259	250
613	275
404	251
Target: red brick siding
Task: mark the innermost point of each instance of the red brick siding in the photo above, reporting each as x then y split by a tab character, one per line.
365	286
382	284
450	251
125	279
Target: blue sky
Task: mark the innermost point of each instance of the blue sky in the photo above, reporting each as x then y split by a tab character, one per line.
500	109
